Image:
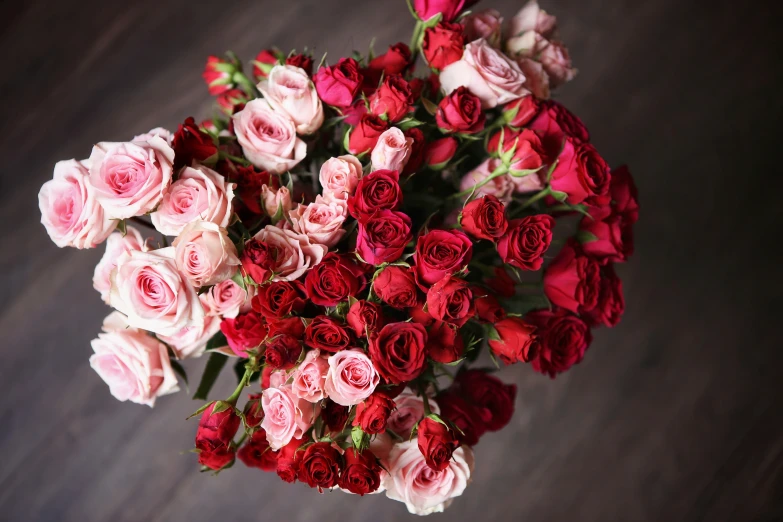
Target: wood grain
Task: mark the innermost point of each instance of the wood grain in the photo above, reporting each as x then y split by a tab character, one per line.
674	415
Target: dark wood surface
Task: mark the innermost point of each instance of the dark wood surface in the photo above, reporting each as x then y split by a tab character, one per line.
676	414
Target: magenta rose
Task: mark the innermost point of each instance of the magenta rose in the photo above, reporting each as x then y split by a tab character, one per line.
338	85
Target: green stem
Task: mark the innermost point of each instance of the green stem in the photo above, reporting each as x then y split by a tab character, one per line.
232	400
540	195
500	171
245	84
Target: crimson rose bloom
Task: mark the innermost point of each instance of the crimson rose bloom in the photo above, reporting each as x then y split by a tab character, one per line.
581	174
218	459
337	85
364	317
216	431
335	416
334	279
440	253
399	351
470	420
443	44
292	326
554	123
288	460
563	339
393	61
372	414
283	351
382	237
516	341
302	61
501	283
365	134
258	260
611	304
266	60
327	334
396	287
190	144
439	152
450	300
524	243
418	315
444	342
520	111
320	466
490	394
394	98
484	218
249	181
528	152
487	306
379	190
460	112
245	332
572	280
437	443
279	298
256	453
361	473
253	411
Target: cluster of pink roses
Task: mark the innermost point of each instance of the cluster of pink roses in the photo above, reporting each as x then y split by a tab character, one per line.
353	236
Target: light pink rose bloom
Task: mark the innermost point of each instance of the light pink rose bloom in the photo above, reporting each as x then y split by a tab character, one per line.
275	201
288	89
277	378
487	24
392	150
487	72
160	132
532	18
268	138
409	410
135	365
533	182
310	376
199	194
501	187
131	178
322	221
339	177
295	252
227	299
422	489
557	64
116	245
527	45
70	210
351	377
285	416
191	341
536	78
204	254
153	294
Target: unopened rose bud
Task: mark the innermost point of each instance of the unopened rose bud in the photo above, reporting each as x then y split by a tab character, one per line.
264	62
219	75
439	152
231	100
253	411
520	112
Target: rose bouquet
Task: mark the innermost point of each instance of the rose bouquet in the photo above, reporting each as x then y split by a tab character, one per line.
352	236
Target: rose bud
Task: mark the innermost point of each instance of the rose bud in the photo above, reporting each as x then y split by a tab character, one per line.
396	287
438	153
335	416
484	218
490	394
532	18
393	99
249	182
288	459
443	44
444	342
245	332
204	254
515	340
563	339
611	304
460	112
519	112
536	78
283	351
419	316
253	411
450	300
325	333
218	459
573	280
485	24
365	135
230	100
216	430
487	306
373	413
337	85
379	190
303	61
264	62
258	260
320	466
382	237
521	151
426	9
365	318
440	253
399	351
417	150
361	474
392	151
436	442
255	453
279	299
219	75
334	279
526	240
393	61
468	418
557	64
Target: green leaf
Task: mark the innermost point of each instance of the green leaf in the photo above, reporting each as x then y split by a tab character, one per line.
216	341
429	106
492	333
239	280
179	370
583	236
409	123
199	411
347	140
560	196
215	364
436	418
359	438
122	226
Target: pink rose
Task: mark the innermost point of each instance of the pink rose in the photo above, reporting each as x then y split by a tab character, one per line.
268	138
135	365
532	18
199	194
160	132
288	90
501	187
276	201
69	208
294	253
130	179
351	377
536	78
557	64
392	150
322	221
487	72
339	177
191	341
116	245
204	254
423	489
285	416
487	24
409	409
148	288
227	299
309	378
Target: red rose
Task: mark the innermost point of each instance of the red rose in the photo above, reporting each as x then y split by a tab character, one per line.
443	44
515	342
264	62
335	416
460	112
611	304
416	156
379	190
470	420
372	414
255	453
216	430
288	460
399	351
572	280
581	174
253	411
218	459
292	326
440	253
437	443
490	394
444	342
190	143
334	279
487	306
426	9
396	287
219	75
259	260
418	315
324	333
361	473
245	332
484	218
501	283
563	339
283	352
520	111
382	237
248	192
393	61
279	298
528	152
450	300
302	61
393	99
438	153
320	466
625	197
364	318
337	85
526	240
230	101
555	123
365	134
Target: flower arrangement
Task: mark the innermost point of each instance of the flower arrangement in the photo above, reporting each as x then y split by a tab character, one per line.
353	236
